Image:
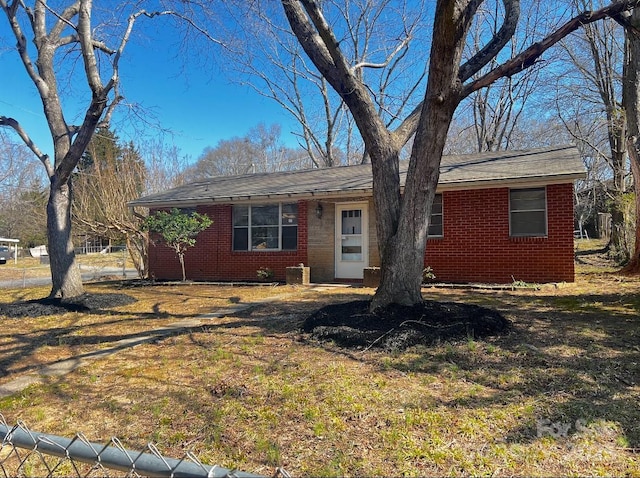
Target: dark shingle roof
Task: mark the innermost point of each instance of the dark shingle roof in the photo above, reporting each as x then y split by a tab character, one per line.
561	163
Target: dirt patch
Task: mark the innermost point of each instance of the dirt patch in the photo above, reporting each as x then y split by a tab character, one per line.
397	327
49	306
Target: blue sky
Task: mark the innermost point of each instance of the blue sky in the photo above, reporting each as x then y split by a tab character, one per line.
195	104
199	106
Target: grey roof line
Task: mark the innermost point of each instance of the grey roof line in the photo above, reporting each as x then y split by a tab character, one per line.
542	164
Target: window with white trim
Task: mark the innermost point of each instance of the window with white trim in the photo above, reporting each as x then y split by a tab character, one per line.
528	212
436	224
269	227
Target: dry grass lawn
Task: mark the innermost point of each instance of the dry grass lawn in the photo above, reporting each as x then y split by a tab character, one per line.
30	267
249	391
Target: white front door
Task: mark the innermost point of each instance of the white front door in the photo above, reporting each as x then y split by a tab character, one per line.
352	227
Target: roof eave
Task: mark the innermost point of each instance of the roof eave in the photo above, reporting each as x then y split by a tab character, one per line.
351	193
532	181
191	202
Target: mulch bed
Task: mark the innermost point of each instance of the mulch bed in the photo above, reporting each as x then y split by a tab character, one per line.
397	327
49	306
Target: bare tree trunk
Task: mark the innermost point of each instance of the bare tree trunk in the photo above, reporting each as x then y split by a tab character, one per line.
184	273
404	252
618	242
596	56
137	247
65	274
631	104
633	266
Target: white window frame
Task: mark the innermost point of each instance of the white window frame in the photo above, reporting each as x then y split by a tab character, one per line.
545	211
250	227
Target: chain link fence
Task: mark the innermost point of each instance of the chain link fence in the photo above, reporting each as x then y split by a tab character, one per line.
27	453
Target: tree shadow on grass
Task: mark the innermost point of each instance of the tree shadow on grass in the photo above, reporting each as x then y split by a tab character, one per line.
20	347
576	357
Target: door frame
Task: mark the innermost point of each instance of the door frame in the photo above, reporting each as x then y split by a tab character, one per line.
339	207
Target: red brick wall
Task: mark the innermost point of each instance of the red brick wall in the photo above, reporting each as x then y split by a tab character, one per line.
212	258
476	246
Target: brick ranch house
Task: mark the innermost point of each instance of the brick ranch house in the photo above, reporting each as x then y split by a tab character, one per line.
497	217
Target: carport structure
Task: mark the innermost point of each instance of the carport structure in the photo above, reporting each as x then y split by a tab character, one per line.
15	242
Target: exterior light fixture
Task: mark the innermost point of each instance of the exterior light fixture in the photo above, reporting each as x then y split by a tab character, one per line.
319	211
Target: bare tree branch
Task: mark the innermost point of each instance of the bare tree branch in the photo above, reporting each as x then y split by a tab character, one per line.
12	123
496	44
312	43
402	45
520	62
529	56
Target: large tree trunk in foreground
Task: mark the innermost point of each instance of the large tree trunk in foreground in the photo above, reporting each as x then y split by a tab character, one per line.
403	252
631	104
403	256
65	274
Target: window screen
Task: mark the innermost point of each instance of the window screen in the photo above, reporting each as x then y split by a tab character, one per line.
528	212
436	228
